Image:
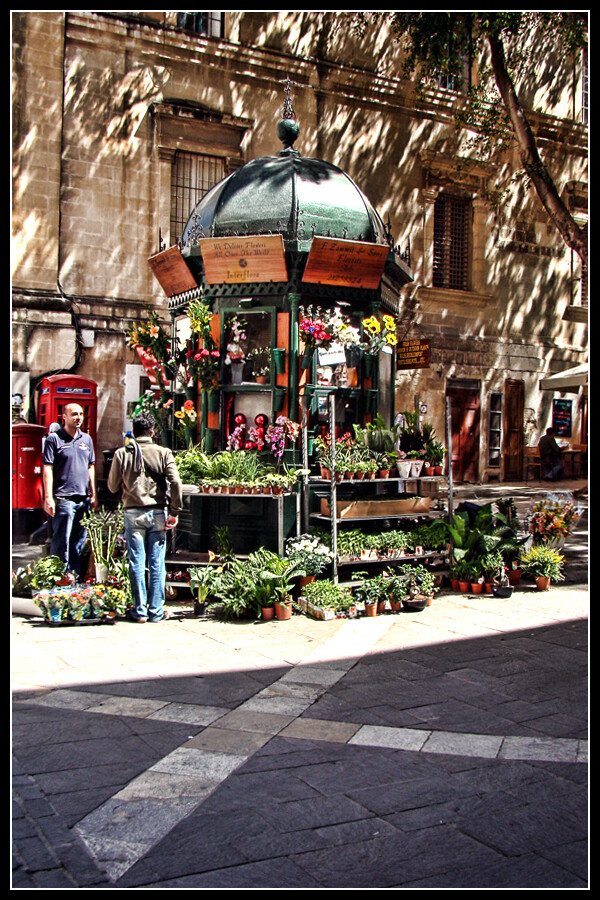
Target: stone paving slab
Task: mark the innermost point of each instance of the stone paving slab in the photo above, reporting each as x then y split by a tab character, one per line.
372	753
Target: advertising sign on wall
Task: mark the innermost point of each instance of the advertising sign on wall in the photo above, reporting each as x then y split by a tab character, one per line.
413	354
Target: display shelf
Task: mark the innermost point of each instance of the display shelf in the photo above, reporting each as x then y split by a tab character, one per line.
334	522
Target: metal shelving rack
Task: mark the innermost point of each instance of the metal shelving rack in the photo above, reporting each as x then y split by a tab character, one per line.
333	521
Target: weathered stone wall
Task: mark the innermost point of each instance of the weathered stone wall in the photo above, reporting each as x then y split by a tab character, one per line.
93	157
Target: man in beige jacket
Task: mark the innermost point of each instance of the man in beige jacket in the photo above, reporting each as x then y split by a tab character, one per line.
152	500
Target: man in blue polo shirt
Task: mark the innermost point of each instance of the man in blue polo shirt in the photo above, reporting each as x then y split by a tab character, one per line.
69	486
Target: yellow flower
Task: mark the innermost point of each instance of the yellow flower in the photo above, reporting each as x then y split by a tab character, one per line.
392	339
154	331
389	323
180	414
372	324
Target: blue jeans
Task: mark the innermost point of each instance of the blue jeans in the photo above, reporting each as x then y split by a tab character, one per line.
68	534
146	539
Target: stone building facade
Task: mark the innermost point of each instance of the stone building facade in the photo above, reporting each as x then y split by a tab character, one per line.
122	120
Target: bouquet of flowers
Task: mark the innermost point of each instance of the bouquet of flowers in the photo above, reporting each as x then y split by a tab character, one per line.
380	335
187	415
203	365
316	328
151	402
200	316
153	346
550	521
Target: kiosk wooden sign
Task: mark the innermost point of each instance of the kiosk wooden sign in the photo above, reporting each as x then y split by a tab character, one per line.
412	354
353	264
244	260
172	272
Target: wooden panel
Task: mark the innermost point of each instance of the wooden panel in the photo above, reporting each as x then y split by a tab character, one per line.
244	260
172	272
353	264
413	354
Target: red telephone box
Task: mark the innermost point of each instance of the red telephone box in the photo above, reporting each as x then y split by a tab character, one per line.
56	391
27	486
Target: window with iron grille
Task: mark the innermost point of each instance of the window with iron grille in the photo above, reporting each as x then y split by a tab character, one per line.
451	243
192	176
209	23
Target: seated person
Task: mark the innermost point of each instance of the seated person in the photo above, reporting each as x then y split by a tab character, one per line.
551	456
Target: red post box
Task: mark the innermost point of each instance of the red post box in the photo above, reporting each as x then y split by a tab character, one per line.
27	485
56	391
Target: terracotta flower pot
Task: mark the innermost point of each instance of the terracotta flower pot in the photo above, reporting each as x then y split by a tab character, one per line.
514	576
283	611
477	588
542	582
464	586
267	612
306	579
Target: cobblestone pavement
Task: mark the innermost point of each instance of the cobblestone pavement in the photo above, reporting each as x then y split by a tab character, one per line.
442	749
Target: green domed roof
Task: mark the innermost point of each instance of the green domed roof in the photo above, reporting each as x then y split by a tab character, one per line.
286	194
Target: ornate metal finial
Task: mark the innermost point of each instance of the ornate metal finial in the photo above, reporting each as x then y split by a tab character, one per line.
288	128
288	109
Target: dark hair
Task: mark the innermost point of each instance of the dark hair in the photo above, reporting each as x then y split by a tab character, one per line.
143	424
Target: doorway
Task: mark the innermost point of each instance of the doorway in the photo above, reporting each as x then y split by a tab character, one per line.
514	405
465	416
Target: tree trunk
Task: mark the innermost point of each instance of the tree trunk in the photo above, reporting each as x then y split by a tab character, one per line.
574	236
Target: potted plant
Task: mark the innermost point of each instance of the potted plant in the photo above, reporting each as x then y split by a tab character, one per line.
326	599
544	563
492	567
434	456
260	362
374	592
44	574
104	528
203	581
311	553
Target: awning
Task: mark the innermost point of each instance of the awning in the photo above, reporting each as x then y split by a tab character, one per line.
569	380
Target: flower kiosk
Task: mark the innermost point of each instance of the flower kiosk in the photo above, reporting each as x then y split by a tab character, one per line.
282	295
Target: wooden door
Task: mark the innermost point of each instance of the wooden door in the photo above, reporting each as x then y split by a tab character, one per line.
512	451
465	415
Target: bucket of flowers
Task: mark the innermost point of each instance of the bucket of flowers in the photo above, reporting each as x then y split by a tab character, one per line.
187	420
379	336
315	332
551	521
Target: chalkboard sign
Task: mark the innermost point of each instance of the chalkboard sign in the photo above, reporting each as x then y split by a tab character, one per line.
562	414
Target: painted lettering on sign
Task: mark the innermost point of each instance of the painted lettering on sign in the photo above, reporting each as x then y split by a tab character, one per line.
172	272
245	260
354	264
413	354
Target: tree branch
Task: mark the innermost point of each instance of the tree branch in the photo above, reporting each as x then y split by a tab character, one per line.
575	236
